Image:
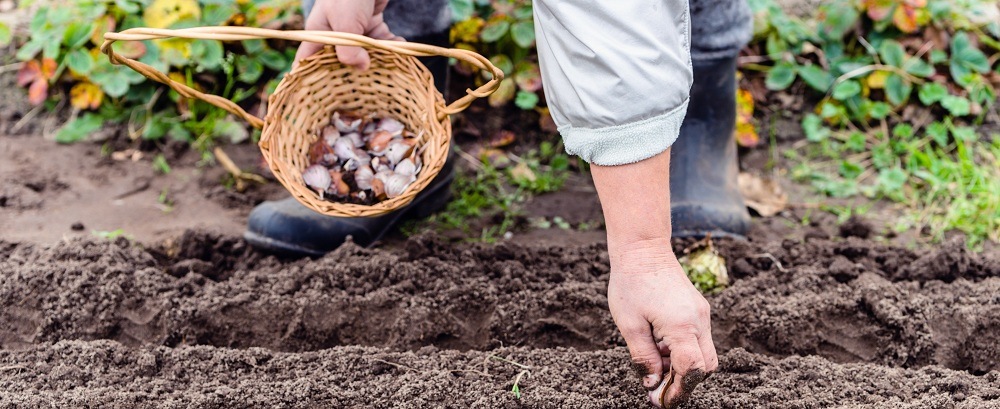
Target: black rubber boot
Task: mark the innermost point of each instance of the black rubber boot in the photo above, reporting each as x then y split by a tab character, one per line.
288	227
704	196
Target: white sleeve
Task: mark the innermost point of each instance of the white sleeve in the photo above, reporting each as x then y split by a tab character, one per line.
616	74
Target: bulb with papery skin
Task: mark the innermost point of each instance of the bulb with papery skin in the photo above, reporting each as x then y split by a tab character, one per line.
317	177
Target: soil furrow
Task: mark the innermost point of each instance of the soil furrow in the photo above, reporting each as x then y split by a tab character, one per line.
110	375
209	290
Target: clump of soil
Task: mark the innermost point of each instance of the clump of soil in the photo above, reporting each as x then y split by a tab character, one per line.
211	322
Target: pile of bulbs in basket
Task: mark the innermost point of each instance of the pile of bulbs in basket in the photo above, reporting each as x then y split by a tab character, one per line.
362	159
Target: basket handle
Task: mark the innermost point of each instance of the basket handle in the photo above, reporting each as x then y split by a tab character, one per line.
230	33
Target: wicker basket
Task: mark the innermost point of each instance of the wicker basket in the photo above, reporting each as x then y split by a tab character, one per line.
396	85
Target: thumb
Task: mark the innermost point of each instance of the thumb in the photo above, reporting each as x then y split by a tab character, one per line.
646	357
356	57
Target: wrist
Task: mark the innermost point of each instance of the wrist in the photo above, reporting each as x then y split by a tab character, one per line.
644	255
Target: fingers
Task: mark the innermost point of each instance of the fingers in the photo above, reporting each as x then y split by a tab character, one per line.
646	356
689	369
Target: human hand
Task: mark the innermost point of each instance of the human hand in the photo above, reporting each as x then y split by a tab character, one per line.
348	16
665	321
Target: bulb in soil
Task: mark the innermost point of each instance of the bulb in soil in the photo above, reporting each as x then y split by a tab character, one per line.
379	141
344	148
397	151
396	184
346	122
317	177
363	177
406	167
392	126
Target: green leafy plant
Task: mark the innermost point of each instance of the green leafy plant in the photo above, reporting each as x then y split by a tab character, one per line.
895	114
63	64
504	31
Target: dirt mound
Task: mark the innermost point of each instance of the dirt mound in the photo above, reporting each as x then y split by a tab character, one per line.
108	374
848	303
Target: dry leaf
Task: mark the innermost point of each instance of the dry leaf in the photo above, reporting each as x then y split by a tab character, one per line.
522	172
496	158
746	133
502	138
164	13
86	95
764	196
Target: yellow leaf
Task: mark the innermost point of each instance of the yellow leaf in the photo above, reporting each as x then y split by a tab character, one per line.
905	18
164	13
877	79
746	133
86	95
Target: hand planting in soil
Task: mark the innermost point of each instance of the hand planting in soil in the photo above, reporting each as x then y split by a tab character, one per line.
362	159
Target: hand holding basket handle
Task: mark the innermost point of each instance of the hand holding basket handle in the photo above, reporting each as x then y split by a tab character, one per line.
395	85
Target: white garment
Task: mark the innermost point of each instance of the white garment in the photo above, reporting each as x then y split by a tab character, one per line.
616	73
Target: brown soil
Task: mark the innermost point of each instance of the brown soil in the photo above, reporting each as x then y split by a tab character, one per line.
205	321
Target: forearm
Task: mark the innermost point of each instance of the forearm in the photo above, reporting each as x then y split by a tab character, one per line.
636	203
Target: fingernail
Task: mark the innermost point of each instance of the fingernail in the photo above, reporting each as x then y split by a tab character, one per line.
650	381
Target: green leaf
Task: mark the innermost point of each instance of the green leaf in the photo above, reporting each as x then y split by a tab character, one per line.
461	10
523	33
160	164
494	30
816	77
250	69
813	127
5	34
897	89
80	61
856	142
79	128
957	106
504	63
208	54
77	34
931	92
113	81
892	180
850	170
918	67
228	128
775	46
839	17
938	56
892	53
526	100
964	133
274	60
938	131
846	90
780	76
29	50
902	131
879	110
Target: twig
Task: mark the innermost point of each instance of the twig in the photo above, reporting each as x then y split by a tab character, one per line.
10	67
773	259
26	118
476	164
239	175
8	368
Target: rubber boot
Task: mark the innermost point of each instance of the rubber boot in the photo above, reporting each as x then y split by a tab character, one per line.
287	227
704	196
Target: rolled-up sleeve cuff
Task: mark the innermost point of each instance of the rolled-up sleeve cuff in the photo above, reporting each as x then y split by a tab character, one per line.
626	143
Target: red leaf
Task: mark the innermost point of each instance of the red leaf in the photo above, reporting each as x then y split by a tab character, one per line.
48	68
38	92
28	73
